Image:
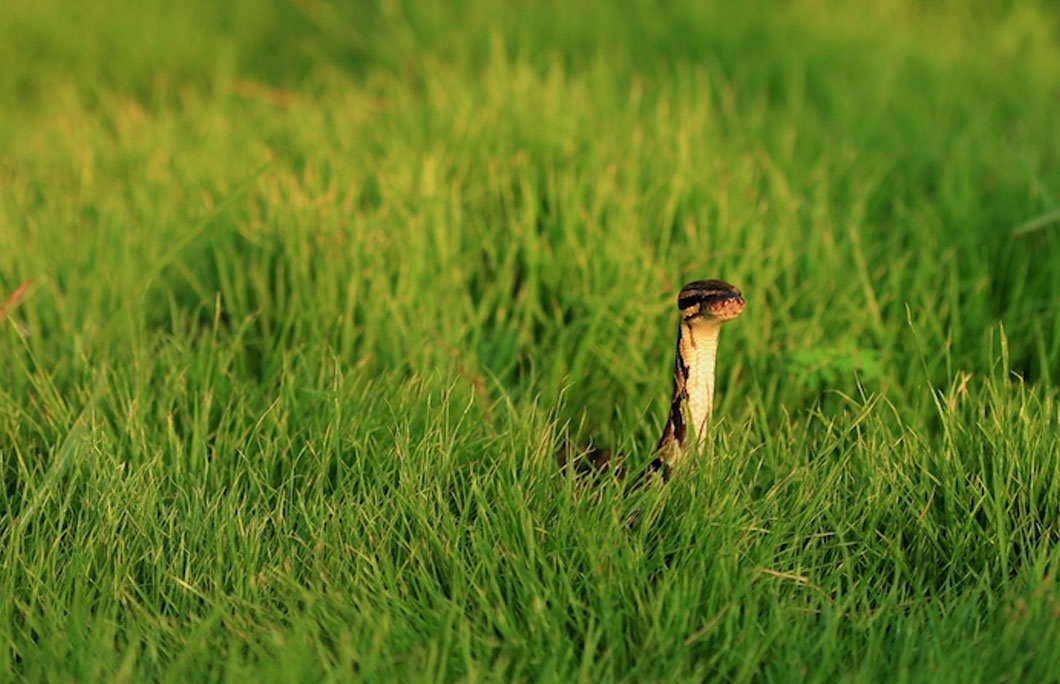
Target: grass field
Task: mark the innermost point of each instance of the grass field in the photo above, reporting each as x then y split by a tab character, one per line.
316	290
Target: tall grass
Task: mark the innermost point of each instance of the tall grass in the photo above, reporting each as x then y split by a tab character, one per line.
316	291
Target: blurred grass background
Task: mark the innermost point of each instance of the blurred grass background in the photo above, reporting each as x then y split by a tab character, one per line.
317	287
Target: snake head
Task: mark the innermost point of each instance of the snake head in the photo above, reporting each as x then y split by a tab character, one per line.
711	299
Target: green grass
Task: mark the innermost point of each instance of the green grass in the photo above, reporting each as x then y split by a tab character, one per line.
317	290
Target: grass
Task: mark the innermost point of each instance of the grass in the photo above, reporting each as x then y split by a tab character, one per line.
315	291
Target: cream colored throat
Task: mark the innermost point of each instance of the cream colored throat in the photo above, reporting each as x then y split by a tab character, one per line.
698	349
693	398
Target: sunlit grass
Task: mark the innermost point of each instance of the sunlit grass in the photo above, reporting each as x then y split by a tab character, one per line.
315	293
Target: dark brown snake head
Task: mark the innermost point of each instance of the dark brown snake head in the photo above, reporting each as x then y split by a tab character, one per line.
713	299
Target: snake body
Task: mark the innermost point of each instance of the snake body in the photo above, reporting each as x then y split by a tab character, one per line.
704	305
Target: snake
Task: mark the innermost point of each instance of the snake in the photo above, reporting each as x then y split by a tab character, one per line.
704	306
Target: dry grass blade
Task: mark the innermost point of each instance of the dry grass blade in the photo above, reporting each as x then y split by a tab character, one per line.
10	302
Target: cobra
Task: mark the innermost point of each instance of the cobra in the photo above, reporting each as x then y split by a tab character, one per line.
705	305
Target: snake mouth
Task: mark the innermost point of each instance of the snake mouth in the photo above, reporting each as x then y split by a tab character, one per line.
725	307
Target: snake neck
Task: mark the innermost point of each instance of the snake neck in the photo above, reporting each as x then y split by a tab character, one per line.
693	395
